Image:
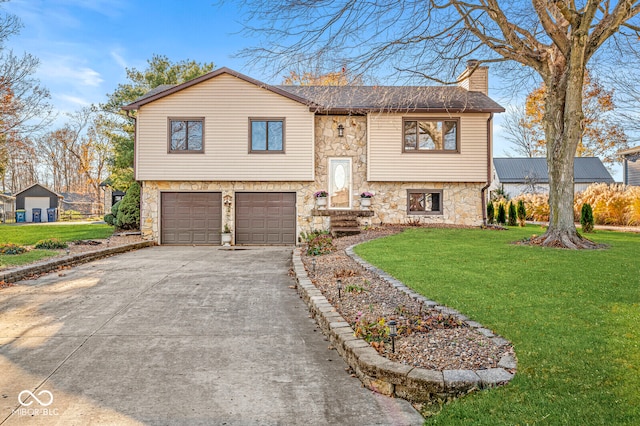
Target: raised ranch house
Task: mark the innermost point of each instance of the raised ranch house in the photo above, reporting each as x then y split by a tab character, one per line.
530	175
225	149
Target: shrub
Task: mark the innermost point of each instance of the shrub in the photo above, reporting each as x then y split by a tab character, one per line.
322	244
307	237
502	215
110	219
513	220
521	212
128	216
613	204
536	206
586	218
12	249
490	213
51	244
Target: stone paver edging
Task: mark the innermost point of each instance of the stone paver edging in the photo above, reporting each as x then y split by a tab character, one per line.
389	377
27	271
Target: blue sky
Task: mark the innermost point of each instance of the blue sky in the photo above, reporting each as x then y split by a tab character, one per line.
84	46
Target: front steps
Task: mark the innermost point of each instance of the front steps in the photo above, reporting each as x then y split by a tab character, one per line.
343	222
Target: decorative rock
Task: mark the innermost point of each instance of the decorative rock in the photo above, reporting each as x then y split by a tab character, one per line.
460	380
492	377
509	362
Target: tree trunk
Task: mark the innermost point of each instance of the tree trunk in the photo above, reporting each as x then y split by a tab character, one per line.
563	131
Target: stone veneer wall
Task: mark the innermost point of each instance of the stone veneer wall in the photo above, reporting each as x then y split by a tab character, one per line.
461	201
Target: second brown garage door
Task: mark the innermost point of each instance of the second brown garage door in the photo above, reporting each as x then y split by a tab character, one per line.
265	218
190	218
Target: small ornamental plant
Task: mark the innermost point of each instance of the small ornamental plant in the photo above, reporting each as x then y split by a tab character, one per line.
513	220
586	218
521	212
366	194
491	214
227	229
320	194
502	215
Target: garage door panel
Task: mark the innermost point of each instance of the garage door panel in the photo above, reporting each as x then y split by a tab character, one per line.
191	217
266	218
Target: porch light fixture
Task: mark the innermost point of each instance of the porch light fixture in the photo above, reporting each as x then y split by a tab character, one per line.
339	284
340	130
393	332
227	200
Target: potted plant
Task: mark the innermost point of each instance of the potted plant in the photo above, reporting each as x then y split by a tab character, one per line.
365	200
226	236
321	198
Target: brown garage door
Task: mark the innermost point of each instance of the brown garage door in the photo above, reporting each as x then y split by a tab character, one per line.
191	217
265	218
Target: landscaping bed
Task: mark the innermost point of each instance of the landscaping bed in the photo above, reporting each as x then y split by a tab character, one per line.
427	338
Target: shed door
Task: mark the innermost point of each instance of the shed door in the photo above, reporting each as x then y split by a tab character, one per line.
266	218
41	203
191	218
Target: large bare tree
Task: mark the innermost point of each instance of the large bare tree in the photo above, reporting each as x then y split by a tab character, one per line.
554	39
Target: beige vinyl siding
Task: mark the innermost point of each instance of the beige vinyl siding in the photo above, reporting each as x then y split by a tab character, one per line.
387	162
226	103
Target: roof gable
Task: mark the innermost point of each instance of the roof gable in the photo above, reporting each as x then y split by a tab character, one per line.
352	99
167	89
38	185
525	170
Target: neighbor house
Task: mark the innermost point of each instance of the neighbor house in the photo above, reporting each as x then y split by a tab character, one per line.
530	175
631	166
225	149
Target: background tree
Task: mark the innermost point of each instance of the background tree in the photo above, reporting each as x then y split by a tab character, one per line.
24	108
118	127
335	78
554	40
602	136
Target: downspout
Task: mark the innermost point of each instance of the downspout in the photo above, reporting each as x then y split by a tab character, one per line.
489	160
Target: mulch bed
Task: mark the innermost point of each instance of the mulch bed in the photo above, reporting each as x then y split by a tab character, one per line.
426	337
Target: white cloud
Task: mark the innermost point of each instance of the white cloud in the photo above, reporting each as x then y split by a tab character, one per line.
63	71
119	59
74	100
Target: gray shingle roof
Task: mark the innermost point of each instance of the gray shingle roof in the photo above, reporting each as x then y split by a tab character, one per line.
361	99
354	99
524	170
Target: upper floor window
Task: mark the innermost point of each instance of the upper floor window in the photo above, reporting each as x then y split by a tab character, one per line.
428	135
186	135
266	135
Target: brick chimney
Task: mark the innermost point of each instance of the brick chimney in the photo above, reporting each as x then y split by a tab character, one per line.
475	78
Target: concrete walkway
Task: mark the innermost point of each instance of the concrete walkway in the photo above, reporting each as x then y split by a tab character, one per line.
176	335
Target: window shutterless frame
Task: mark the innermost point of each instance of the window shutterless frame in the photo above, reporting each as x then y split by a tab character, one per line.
193	133
424	202
267	135
412	136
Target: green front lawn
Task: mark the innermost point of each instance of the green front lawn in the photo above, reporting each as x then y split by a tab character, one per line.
28	235
573	317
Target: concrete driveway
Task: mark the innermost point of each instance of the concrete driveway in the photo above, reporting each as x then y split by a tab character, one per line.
176	335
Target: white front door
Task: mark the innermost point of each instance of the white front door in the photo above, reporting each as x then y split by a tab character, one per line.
340	183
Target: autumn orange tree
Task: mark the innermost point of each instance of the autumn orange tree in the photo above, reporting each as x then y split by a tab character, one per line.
333	78
602	135
553	40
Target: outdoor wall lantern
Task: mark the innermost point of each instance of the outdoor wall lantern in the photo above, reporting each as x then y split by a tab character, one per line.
393	332
340	130
339	283
227	200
